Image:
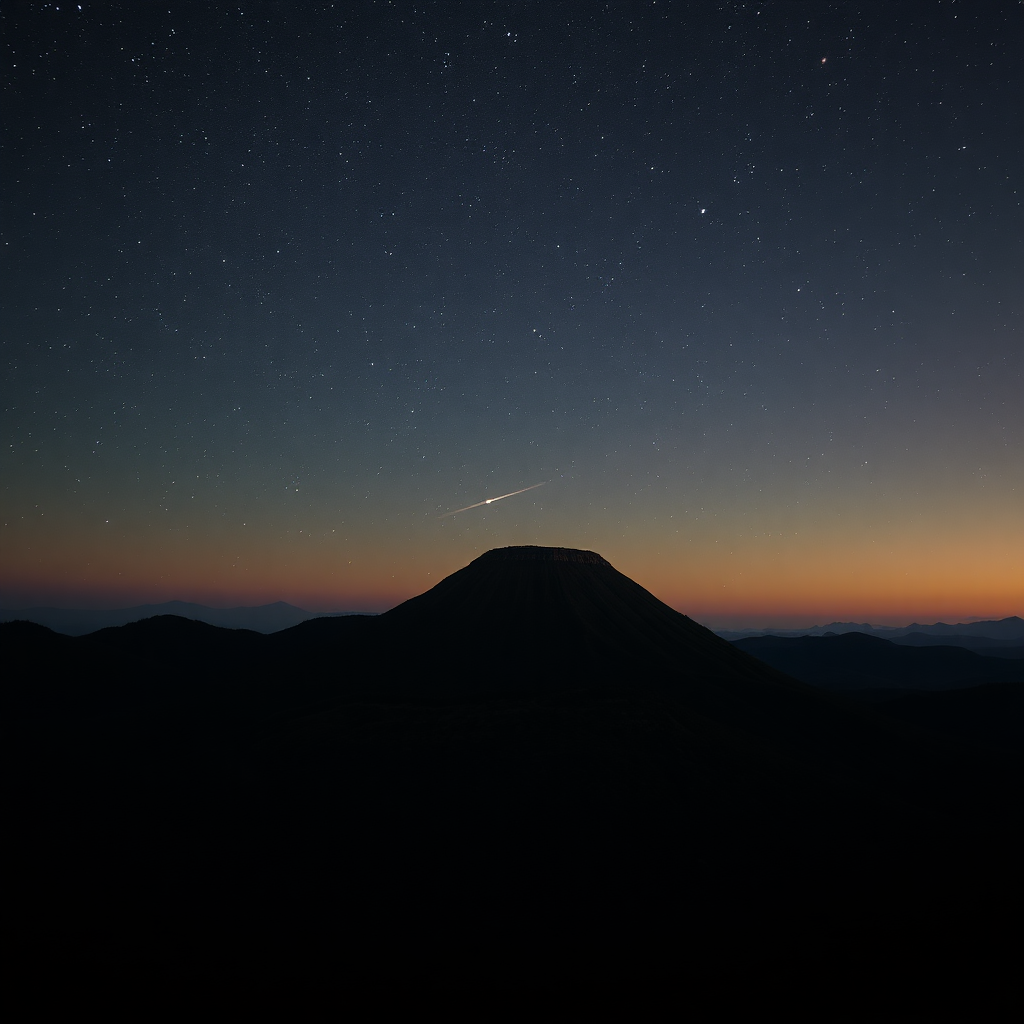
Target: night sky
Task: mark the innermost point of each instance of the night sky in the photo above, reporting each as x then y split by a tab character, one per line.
742	285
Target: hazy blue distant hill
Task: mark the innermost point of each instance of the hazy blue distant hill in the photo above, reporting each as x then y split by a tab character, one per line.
1009	631
832	627
1011	628
266	618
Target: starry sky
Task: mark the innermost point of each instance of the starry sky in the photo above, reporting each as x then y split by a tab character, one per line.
741	284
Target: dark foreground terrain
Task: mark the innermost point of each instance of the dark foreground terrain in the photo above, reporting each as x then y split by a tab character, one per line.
534	769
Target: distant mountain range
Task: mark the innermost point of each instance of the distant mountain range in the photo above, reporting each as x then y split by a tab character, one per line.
265	618
1007	632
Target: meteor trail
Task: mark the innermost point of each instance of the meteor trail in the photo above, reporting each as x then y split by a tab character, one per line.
489	501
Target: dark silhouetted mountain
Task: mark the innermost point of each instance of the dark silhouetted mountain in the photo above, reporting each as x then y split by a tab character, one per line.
267	618
49	675
852	661
527	619
534	766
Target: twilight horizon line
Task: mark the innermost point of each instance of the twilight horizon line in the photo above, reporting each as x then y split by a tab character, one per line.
714	615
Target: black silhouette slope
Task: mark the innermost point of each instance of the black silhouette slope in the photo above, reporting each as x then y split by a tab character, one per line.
532	622
572	613
525	620
49	675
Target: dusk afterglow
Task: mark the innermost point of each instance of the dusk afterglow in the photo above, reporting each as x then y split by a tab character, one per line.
286	288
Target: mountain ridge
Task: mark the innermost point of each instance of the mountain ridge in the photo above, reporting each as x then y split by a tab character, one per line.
265	618
535	762
1008	631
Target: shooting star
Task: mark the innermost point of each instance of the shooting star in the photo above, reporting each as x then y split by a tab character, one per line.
491	501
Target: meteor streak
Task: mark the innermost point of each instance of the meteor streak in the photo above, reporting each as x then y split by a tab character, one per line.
489	501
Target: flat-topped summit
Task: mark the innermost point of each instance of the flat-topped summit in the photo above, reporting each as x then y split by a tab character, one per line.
545	619
535	553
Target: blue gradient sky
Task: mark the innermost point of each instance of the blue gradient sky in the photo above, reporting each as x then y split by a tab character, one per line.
742	285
